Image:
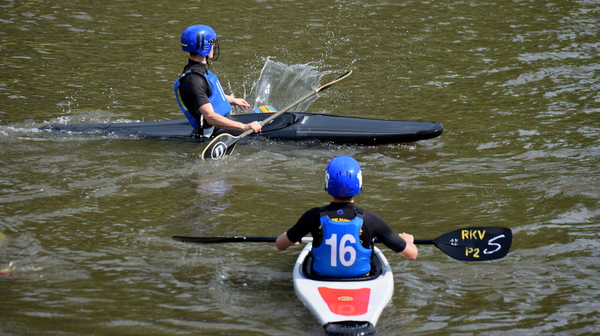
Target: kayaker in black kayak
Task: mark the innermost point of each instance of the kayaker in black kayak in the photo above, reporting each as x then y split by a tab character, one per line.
199	92
342	232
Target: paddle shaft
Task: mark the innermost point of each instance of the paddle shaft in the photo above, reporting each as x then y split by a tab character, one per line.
244	239
467	244
287	108
224	143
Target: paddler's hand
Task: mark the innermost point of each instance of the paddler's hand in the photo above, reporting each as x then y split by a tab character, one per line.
410	252
410	239
255	126
238	103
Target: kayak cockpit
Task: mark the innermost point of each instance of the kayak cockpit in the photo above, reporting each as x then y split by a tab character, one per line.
377	269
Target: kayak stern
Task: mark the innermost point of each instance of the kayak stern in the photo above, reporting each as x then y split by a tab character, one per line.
345	307
350	328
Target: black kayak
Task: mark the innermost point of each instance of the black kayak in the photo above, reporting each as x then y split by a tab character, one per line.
290	126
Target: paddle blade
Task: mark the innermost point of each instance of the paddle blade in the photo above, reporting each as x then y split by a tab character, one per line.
476	243
220	146
328	85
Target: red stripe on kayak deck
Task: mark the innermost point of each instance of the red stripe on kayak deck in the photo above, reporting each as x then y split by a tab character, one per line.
346	302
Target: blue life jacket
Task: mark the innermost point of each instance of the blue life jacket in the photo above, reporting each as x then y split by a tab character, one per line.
340	253
216	96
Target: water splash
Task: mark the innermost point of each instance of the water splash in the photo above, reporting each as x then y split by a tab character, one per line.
280	85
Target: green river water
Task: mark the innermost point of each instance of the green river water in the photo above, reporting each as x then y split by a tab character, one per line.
86	220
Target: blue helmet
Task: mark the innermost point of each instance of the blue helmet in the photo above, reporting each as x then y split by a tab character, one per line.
200	39
343	177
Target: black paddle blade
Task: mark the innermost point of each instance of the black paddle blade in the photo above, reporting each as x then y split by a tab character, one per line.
220	146
220	240
476	243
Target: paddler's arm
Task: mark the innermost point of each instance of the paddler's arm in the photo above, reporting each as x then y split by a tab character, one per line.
299	230
401	243
219	121
283	242
238	103
410	252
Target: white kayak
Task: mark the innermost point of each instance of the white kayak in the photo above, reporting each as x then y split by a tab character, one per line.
345	306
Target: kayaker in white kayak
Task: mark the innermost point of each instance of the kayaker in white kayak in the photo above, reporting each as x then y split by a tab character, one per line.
342	232
199	92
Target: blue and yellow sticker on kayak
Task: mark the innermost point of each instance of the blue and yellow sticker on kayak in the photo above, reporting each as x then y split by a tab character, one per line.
265	109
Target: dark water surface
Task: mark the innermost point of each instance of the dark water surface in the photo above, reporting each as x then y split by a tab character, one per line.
86	220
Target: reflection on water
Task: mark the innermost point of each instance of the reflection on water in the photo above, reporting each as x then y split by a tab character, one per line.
86	221
211	192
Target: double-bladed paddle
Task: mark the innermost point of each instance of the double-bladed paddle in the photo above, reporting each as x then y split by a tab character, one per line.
224	144
468	244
